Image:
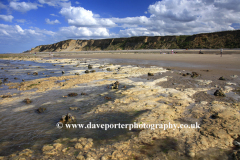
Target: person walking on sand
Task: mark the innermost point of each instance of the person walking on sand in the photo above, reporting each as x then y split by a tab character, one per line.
172	51
221	51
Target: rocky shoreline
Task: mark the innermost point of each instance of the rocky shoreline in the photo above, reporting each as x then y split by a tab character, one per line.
140	94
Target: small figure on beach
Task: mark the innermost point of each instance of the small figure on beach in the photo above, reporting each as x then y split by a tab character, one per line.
221	51
200	52
35	53
172	51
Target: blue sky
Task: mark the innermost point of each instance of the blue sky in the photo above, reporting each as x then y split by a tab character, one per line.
27	24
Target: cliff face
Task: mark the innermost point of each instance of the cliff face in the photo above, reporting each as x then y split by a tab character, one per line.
226	39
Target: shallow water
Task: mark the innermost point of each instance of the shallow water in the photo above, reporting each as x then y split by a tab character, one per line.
22	127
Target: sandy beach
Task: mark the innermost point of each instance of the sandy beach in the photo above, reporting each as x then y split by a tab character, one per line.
142	89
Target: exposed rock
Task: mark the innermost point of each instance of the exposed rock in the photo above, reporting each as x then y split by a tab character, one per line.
219	92
47	148
23	80
72	94
68	118
73	108
91	156
147	42
169	69
108	98
115	85
15	78
1	81
191	154
90	66
26	152
104	157
6	96
92	71
2	68
236	155
41	109
194	75
27	100
150	74
77	73
17	67
86	143
5	79
108	69
87	71
57	146
28	73
35	73
63	72
78	146
80	157
221	78
62	66
74	140
83	93
234	76
236	143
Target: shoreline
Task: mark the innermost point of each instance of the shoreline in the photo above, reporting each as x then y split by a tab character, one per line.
170	95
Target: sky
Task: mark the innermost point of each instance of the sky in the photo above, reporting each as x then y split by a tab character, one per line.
27	24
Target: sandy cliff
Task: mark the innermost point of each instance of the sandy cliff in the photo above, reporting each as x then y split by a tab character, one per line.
226	39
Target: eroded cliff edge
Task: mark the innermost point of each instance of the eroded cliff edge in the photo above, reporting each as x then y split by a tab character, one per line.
225	39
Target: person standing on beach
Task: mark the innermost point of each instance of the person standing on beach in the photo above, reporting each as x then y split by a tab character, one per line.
221	51
172	51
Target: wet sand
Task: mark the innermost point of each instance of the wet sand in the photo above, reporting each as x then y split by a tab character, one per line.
212	60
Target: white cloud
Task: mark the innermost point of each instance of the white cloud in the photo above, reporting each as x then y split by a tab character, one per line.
137	32
54	15
56	3
21	20
2	6
80	17
23	6
23	39
167	17
51	22
188	17
15	33
77	2
142	20
7	18
83	32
